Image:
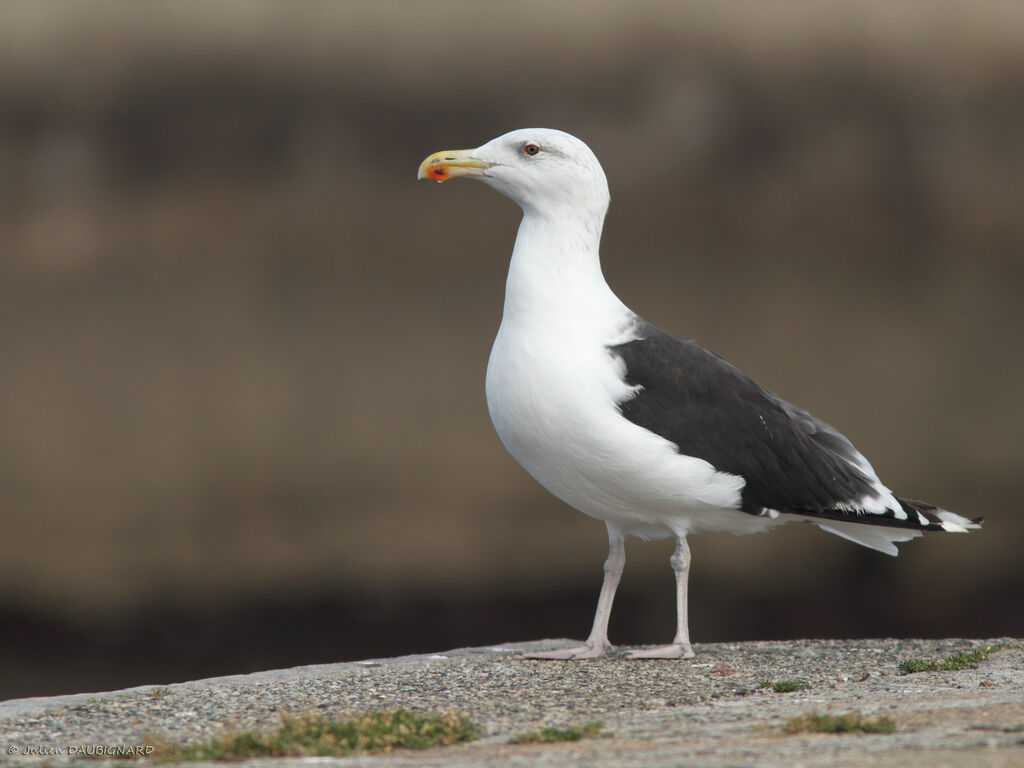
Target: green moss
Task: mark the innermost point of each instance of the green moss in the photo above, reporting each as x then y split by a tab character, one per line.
317	735
786	686
815	722
574	733
954	662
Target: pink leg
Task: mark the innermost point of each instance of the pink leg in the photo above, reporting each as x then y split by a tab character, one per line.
680	648
597	644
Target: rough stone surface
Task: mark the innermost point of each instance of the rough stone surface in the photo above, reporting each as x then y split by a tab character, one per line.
709	711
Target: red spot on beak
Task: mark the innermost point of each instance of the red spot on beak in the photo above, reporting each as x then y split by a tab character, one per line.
438	172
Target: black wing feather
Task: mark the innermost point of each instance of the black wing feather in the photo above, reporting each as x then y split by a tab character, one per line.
791	461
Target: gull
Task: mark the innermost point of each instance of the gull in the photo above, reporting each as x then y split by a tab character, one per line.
628	424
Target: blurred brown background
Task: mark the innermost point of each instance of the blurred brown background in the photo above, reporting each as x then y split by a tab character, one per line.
242	420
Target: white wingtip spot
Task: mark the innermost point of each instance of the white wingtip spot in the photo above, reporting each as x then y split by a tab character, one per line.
954	523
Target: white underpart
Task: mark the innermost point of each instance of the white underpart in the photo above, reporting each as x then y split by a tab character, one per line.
873	536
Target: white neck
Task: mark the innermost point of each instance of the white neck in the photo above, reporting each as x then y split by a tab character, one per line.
556	269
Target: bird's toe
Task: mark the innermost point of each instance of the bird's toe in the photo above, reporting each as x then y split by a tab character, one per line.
674	651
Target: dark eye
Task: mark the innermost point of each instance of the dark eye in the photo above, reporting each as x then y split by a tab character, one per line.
531	149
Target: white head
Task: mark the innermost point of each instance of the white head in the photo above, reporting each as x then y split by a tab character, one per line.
547	172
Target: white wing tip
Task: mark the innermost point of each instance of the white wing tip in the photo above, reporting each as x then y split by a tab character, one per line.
954	523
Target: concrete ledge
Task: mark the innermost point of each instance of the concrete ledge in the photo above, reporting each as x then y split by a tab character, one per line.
710	710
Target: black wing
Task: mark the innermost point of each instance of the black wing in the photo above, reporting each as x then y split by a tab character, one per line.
791	461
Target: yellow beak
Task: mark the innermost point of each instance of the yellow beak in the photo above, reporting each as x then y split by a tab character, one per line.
450	163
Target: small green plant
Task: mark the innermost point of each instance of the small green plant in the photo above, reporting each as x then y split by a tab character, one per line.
815	722
786	686
321	736
155	693
954	662
574	733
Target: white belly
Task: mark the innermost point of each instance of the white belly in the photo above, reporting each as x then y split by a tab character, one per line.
553	403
